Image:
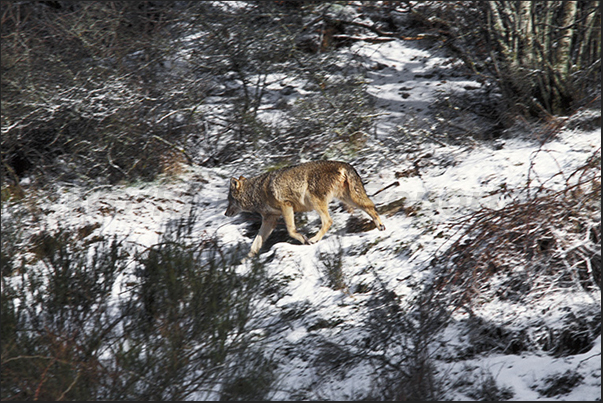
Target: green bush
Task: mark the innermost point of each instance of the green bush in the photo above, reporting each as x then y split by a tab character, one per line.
59	319
93	320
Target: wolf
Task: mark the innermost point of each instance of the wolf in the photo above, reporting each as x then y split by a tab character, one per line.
304	187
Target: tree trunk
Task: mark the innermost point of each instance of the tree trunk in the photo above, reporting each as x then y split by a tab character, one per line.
563	54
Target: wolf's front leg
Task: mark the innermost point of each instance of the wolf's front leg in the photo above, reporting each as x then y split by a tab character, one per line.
268	225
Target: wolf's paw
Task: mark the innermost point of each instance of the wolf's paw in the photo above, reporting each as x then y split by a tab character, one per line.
381	227
312	241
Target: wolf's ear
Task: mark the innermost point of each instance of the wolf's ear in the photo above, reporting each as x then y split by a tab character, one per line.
235	183
242	178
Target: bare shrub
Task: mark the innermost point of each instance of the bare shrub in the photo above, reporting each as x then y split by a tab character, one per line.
541	242
253	51
332	122
399	344
333	268
483	387
556	233
545	57
85	92
560	384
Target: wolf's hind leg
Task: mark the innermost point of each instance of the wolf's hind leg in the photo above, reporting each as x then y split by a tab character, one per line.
325	218
370	210
366	205
290	223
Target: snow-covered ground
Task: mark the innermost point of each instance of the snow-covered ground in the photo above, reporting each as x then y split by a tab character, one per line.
459	180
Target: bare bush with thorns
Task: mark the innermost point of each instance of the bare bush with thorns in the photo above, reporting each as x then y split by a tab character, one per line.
550	240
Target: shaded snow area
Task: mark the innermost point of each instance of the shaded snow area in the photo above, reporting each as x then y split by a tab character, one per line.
353	340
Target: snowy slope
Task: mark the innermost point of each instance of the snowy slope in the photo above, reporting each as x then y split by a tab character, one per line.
455	181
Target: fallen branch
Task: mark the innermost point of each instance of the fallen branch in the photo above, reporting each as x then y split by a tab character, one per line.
396	183
382	34
369	39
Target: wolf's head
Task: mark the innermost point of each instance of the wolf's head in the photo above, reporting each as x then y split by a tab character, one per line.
235	196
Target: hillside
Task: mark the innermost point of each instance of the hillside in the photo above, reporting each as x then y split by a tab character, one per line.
485	284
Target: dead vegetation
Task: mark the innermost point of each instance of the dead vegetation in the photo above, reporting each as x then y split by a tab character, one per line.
544	242
550	239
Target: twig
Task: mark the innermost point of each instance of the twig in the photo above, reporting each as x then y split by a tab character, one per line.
396	183
69	387
39	388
